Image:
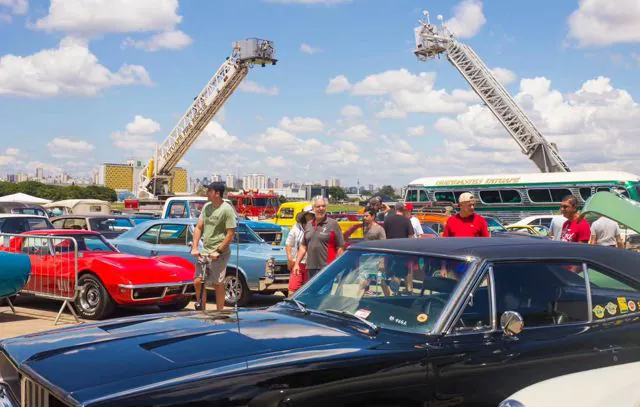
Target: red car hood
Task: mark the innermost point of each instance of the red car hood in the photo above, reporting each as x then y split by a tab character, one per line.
141	269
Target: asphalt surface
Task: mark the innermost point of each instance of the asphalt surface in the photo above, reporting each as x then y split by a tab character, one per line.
38	314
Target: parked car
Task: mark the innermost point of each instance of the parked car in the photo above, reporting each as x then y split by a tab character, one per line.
261	267
536	220
22	208
109	226
534	230
483	319
355	233
140	217
14	274
18	223
583	389
107	278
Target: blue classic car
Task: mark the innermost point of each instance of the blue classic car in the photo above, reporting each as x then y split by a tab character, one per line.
260	266
14	273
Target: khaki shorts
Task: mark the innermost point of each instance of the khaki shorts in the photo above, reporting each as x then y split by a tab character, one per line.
216	270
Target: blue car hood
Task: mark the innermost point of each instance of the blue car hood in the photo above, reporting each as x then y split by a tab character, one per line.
95	360
263	250
262	226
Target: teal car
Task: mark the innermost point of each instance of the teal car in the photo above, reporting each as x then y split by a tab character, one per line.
14	273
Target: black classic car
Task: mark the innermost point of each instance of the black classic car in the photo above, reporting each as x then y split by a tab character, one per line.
404	322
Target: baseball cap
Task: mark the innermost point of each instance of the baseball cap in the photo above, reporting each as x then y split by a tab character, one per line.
408	207
308	209
375	200
466	197
399	206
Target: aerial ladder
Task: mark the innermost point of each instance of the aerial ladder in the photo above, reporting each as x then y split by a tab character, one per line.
153	180
432	42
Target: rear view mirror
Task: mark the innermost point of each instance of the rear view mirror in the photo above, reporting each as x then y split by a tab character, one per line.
512	323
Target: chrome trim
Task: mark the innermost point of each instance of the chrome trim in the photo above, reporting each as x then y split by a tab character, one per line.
33	394
485	270
155	285
585	271
467	258
494	302
449	311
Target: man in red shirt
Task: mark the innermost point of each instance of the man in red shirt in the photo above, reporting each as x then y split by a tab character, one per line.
574	229
467	223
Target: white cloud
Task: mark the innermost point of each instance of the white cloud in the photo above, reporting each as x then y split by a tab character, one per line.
216	138
467	20
175	39
7	160
301	124
325	2
12	151
253	87
351	111
19	7
61	147
391	111
338	84
392	81
348	146
137	136
504	76
416	131
275	137
602	22
358	132
308	49
183	163
276	162
5	18
93	17
69	69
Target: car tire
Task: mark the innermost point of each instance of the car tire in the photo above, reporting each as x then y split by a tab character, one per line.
93	301
235	285
175	306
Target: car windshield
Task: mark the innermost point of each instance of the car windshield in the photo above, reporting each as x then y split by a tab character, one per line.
110	224
195	208
86	243
29	211
21	224
494	225
397	291
247	235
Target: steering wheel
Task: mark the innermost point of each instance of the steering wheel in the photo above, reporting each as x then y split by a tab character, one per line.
427	307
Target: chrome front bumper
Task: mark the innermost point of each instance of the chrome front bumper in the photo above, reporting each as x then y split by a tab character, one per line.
163	289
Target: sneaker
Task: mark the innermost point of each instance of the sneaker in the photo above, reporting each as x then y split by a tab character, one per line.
197	306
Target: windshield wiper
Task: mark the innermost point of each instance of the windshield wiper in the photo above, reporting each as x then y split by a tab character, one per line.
299	304
370	324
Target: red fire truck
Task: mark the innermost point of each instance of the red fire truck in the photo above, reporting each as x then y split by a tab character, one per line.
254	204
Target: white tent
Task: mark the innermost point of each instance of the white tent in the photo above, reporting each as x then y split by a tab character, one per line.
24	198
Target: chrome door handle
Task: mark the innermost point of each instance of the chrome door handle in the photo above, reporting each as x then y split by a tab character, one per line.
613	349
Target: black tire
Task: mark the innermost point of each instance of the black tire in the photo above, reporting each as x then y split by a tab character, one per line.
241	289
175	306
93	301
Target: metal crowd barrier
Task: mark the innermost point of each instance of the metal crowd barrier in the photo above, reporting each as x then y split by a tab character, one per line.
54	267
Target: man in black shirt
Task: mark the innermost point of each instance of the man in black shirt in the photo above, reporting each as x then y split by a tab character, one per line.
396	225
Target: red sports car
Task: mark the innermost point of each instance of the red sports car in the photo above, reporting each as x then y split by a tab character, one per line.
106	277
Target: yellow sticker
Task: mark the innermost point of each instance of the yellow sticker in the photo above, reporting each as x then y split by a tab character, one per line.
611	308
422	318
622	303
598	311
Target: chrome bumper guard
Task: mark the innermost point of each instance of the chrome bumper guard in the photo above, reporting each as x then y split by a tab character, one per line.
177	288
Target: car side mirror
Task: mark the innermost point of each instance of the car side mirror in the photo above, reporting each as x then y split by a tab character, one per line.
512	323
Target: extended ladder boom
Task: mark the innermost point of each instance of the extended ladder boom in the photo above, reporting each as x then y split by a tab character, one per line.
431	42
220	87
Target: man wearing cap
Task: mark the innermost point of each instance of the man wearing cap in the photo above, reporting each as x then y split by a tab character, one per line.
415	222
466	223
382	209
216	226
396	225
292	245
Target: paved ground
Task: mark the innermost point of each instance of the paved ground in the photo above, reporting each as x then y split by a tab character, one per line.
36	315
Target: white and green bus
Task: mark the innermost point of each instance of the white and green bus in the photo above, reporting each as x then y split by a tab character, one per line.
511	197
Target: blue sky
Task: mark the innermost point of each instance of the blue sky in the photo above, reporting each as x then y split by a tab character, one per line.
76	91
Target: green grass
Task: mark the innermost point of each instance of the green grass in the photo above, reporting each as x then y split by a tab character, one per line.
343	208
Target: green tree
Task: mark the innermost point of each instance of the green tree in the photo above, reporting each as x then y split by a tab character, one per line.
58	192
337	193
387	190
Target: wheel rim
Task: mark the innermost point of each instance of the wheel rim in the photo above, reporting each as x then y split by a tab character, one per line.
233	290
90	296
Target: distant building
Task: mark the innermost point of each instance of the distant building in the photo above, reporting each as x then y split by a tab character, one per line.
11	177
40	173
22	177
231	181
216	178
254	182
278	184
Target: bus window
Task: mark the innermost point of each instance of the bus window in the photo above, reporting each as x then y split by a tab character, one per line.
585	193
539	195
424	197
602	189
490	197
557	194
445	196
412	195
510	196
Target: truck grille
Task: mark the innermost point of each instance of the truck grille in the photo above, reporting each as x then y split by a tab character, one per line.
32	394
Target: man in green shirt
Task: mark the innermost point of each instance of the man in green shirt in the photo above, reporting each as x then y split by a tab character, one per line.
216	226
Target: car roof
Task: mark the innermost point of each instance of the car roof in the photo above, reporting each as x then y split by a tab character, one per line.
21	215
514	248
62	232
91	216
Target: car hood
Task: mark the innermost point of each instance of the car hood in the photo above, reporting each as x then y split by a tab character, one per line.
130	265
262	226
263	250
98	358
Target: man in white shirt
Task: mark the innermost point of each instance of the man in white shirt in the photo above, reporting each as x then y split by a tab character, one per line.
294	240
555	230
606	232
415	222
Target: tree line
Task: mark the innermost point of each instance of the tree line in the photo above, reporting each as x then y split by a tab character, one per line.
58	192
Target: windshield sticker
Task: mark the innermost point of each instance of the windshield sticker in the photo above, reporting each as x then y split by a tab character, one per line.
598	311
422	318
363	313
622	303
611	308
632	306
397	320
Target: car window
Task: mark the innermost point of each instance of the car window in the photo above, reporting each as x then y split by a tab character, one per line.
75	223
477	311
151	235
246	235
545	222
195	207
178	209
14	225
393	290
610	295
58	224
173	234
543	293
36	246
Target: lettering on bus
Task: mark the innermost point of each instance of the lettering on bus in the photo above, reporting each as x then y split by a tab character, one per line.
478	181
